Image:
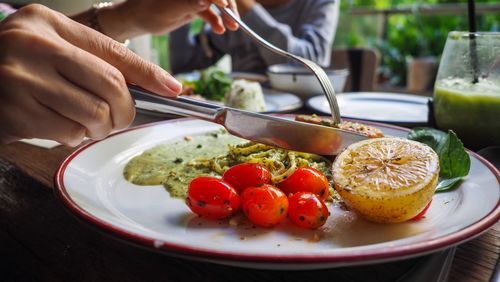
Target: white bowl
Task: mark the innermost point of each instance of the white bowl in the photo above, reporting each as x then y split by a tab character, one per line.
301	81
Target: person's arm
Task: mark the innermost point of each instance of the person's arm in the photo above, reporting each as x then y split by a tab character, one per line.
189	53
132	18
313	40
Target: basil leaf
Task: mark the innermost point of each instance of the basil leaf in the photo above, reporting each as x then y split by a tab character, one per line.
454	162
214	83
429	136
448	184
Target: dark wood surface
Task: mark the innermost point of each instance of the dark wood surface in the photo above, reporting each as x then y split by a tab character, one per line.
41	241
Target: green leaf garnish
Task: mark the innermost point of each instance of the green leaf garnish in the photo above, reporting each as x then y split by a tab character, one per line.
213	84
454	162
447	184
429	136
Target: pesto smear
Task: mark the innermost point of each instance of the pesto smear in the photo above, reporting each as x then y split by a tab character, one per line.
169	164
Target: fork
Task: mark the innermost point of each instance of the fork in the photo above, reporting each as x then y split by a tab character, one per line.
313	67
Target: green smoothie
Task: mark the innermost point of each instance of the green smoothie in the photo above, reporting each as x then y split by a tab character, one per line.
471	110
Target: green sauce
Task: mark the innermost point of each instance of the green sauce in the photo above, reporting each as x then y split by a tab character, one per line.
168	164
471	110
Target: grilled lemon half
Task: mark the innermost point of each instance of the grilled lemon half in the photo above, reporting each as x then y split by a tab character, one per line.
386	180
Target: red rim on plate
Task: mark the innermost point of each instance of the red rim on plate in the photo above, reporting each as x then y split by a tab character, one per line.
386	254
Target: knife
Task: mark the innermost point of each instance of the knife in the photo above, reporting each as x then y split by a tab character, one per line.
271	130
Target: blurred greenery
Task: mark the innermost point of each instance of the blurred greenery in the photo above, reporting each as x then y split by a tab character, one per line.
407	35
160	44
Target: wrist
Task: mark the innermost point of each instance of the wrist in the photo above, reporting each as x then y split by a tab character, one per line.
113	22
104	18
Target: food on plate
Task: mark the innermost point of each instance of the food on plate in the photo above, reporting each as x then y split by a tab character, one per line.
212	198
386	180
246	175
280	162
306	179
213	84
422	213
307	210
264	206
170	164
369	131
211	171
219	87
175	164
246	95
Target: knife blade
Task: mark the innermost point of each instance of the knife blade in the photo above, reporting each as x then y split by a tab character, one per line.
271	130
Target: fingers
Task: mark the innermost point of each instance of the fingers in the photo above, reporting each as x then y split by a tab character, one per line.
97	116
93	113
41	123
228	21
97	85
214	20
53	126
134	69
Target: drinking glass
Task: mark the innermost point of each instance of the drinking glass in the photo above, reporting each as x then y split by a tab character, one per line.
467	89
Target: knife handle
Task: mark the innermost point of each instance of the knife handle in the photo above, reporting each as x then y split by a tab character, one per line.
180	105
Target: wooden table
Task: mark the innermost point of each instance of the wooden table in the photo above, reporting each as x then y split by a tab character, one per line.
40	240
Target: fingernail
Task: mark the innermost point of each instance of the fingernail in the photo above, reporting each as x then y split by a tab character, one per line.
174	85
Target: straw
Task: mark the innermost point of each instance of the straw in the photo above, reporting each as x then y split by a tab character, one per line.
472	43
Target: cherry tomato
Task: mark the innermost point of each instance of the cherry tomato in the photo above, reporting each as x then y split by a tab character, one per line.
212	198
246	175
265	205
422	213
306	179
307	210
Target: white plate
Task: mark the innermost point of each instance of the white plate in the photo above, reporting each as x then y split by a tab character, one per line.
375	106
90	184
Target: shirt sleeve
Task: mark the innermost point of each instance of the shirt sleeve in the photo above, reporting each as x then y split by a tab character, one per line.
312	40
188	54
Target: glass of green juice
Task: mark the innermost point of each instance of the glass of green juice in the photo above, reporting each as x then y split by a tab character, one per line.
467	89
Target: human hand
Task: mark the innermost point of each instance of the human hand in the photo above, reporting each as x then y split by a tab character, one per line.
135	17
63	81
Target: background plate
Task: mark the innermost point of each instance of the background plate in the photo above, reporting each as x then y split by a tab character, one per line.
375	106
90	184
276	102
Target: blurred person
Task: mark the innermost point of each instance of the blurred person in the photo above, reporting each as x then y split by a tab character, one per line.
302	27
65	78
